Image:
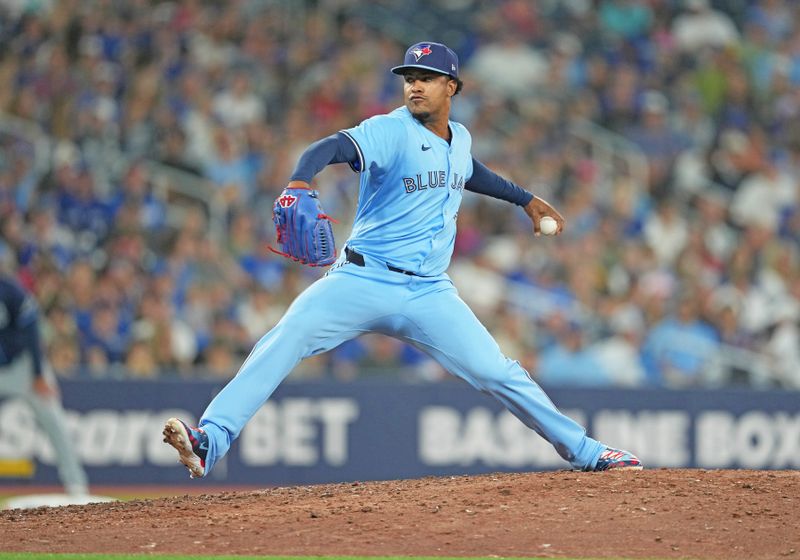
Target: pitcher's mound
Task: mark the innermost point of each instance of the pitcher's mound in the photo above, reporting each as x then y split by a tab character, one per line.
646	514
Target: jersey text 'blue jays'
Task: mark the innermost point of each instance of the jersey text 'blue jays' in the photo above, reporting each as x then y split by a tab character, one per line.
432	180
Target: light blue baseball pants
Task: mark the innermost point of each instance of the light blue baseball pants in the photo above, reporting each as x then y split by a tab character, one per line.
424	311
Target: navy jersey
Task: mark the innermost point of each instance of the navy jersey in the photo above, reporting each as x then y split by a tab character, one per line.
410	190
19	328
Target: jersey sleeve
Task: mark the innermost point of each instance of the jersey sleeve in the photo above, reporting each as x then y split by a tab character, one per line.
23	320
336	148
485	181
378	140
28	329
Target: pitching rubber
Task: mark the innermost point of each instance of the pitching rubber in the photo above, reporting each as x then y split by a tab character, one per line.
177	436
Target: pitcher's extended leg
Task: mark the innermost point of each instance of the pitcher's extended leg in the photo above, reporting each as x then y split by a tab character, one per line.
336	308
444	326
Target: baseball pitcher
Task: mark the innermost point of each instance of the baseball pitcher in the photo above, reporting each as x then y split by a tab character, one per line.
390	277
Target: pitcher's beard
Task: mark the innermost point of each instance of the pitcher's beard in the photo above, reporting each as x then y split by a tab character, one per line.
422	116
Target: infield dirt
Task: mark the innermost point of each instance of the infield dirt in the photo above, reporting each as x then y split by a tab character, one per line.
657	513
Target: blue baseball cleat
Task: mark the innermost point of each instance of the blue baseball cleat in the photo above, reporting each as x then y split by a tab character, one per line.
191	444
617	459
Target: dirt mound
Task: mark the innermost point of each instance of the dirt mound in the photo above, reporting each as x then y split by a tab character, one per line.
656	513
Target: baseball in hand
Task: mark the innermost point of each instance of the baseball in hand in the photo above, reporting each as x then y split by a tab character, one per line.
548	225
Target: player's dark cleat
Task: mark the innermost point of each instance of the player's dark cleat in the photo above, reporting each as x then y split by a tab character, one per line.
617	459
191	444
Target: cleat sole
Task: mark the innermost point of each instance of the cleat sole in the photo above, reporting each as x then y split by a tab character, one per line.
176	436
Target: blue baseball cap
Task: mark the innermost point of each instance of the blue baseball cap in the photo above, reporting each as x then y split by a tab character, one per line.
430	56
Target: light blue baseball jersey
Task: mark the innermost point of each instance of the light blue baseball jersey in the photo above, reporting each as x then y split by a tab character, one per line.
410	190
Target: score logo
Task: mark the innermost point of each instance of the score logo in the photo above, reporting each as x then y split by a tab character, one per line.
291	431
101	437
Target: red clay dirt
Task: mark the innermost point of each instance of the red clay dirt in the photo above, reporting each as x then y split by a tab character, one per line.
656	513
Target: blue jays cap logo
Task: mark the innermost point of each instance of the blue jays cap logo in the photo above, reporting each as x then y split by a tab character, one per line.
420	51
429	56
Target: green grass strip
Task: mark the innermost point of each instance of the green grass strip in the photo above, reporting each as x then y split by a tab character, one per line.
43	556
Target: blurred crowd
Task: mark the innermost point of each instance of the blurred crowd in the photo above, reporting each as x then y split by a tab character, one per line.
666	131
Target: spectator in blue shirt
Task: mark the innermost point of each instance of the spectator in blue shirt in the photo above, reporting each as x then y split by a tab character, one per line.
679	348
571	363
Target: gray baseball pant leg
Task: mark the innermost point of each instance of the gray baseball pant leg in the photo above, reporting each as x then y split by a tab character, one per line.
17	381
